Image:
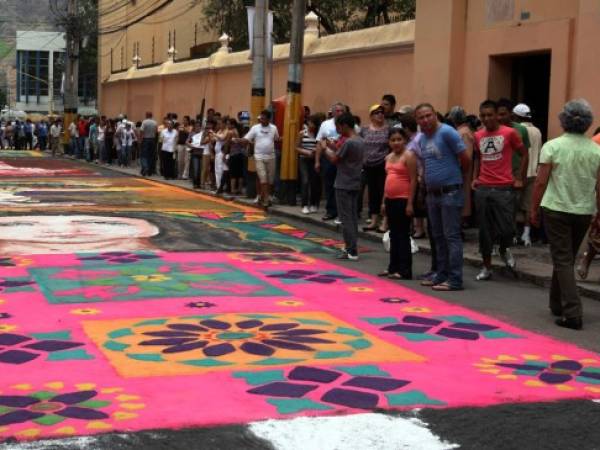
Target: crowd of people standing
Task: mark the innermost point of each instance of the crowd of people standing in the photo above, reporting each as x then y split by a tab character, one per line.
418	172
492	171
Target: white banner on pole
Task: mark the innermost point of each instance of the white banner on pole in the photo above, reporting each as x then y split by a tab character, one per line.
251	29
269	49
270	36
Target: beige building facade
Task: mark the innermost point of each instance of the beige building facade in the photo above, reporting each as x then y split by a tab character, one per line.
457	52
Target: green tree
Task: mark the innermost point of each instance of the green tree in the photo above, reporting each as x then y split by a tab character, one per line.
84	25
335	16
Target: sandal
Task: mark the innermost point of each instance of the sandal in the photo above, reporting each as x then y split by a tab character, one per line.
445	287
395	276
427	283
385	273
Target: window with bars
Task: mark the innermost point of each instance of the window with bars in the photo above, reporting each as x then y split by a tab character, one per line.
33	73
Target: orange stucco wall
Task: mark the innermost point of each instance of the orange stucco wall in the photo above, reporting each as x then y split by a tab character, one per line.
459	50
356	79
456	40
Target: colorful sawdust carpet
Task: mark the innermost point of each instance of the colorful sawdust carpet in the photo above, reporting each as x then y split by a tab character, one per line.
139	340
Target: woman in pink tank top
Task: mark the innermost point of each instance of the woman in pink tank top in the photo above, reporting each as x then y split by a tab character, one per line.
400	187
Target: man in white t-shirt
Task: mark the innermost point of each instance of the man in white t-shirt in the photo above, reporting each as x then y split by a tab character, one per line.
194	144
55	131
74	138
167	154
263	135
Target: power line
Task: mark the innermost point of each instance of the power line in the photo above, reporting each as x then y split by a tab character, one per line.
164	4
186	9
122	21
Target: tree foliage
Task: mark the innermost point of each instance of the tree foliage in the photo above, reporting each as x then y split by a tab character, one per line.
334	15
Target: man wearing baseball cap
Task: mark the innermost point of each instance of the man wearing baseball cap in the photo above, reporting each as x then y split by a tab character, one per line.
522	114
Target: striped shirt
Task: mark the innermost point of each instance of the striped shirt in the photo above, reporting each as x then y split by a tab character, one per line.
309	143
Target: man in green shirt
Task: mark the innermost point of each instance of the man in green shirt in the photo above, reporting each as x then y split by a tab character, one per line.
505	116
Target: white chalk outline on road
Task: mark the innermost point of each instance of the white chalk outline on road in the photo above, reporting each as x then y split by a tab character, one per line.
353	432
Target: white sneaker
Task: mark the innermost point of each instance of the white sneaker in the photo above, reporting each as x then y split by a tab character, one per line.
495	251
509	259
414	248
337	221
526	238
313	209
305	210
484	275
352	257
256	201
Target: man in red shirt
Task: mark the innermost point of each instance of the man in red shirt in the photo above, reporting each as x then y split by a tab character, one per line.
82	126
494	185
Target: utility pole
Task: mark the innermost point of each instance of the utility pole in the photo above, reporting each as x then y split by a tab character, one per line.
259	58
259	66
71	94
294	109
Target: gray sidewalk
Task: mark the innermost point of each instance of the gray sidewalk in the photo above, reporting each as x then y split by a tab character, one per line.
533	264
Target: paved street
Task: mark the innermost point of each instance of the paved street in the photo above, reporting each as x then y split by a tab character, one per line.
140	315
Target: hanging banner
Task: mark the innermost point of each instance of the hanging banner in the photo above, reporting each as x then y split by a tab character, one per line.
269	48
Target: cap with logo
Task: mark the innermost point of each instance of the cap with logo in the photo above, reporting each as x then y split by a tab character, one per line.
522	110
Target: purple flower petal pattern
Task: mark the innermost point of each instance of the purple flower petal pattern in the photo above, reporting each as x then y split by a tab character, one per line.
213	341
76	407
328	386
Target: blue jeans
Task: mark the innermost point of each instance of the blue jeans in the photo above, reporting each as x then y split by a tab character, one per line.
124	155
73	147
147	155
195	168
81	147
445	216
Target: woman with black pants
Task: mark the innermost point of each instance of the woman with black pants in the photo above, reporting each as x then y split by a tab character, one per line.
376	149
399	192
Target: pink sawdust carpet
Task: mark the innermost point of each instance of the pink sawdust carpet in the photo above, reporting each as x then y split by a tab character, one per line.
91	343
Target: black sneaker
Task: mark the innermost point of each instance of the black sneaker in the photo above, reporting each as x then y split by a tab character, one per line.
343	254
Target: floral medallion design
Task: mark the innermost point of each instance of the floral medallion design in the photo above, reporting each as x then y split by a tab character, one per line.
198	344
59	409
151	278
558	372
306	388
290	303
273	258
117	257
19	349
296	276
85	311
200	305
440	328
394	300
